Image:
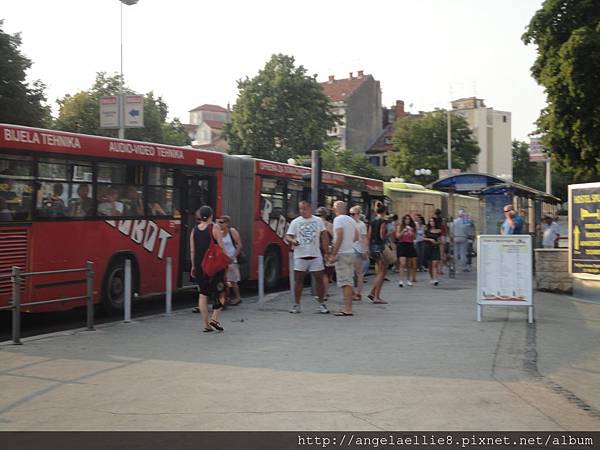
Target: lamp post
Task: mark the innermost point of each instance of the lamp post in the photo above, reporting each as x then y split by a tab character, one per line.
449	145
121	97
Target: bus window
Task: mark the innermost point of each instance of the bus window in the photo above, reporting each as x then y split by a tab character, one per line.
333	194
120	192
295	192
271	199
16	188
53	191
111	173
162	197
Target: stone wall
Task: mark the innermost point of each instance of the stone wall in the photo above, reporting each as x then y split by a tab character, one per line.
552	270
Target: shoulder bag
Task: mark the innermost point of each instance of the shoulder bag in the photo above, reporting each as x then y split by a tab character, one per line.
214	259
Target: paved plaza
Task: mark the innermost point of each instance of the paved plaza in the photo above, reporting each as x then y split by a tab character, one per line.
421	362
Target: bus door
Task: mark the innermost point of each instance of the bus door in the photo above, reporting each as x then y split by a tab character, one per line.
196	190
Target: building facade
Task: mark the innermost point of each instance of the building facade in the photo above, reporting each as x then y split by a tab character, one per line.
206	127
492	131
357	100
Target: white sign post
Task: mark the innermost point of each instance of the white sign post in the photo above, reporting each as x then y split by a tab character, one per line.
109	112
504	272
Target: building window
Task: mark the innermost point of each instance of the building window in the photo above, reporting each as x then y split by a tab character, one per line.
504	119
374	160
384	163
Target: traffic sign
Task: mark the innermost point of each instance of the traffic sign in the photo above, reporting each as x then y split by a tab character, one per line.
134	111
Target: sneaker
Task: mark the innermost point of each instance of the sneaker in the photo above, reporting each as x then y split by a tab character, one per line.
400	284
323	309
432	281
435	282
408	283
295	309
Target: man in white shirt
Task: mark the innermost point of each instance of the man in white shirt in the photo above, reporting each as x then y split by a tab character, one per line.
360	252
550	232
345	234
306	234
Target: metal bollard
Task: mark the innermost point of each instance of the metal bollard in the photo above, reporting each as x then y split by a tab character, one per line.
89	279
16	312
169	286
261	282
127	291
291	274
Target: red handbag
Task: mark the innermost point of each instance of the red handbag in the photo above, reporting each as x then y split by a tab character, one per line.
214	259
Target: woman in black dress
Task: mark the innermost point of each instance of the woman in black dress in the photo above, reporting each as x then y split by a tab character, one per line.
213	286
432	239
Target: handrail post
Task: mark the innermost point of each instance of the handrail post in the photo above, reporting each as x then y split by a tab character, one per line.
127	293
169	286
89	278
261	282
16	312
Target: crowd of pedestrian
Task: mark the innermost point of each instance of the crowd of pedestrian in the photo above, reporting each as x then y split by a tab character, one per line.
340	245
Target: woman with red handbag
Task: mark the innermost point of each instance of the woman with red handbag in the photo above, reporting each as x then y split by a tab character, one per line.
206	240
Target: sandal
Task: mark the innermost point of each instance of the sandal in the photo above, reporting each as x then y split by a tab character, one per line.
343	314
207	330
371	297
196	310
357	298
380	302
236	303
216	325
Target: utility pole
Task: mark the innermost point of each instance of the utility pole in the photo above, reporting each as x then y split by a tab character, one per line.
449	145
315	179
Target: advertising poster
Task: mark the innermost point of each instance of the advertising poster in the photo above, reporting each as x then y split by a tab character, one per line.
584	230
504	275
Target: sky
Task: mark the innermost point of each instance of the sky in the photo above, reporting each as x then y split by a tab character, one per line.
425	52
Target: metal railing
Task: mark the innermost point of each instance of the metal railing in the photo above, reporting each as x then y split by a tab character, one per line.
16	279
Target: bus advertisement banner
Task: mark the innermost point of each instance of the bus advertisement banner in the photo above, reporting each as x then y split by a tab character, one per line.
584	230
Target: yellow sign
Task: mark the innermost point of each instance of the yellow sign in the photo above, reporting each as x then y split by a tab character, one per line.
576	233
585	214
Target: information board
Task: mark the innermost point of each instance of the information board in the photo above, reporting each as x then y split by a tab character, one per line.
584	230
109	112
504	271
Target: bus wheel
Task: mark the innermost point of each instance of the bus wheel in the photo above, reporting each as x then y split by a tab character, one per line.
113	289
272	268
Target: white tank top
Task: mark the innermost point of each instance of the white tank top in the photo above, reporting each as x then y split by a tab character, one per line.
228	244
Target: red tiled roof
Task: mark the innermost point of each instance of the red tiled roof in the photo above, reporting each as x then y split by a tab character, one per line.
340	90
215	124
207	107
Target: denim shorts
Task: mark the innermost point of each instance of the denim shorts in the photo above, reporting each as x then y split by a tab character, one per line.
376	251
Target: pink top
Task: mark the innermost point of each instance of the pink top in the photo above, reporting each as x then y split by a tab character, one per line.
407	235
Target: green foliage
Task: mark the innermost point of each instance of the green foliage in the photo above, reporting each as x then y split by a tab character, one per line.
420	143
279	113
81	113
567	36
20	103
529	173
335	159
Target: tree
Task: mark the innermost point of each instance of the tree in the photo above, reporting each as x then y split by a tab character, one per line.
567	36
529	173
420	143
20	103
334	159
81	113
279	113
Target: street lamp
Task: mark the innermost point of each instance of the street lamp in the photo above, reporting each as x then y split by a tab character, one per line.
426	172
121	98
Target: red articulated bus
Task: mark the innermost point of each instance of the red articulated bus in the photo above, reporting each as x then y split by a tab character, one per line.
68	198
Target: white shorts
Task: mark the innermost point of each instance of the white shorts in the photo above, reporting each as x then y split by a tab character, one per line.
309	265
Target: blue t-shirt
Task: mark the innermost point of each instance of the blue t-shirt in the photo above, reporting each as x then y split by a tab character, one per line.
518	229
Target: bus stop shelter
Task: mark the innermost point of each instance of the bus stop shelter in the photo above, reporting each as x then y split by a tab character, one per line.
495	193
